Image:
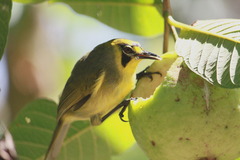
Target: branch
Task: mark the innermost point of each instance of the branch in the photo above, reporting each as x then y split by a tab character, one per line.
166	12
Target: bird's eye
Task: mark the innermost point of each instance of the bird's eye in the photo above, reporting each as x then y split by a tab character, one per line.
128	50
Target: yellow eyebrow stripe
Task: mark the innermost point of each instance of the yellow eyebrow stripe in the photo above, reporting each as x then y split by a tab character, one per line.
137	49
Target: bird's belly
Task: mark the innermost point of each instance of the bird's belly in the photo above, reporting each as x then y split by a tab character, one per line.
105	99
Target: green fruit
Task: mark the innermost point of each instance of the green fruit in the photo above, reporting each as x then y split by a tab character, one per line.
186	118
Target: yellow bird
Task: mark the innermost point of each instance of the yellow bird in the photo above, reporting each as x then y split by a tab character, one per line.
99	82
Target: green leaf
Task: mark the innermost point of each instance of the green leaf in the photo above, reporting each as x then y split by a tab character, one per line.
211	48
29	1
32	131
139	17
5	14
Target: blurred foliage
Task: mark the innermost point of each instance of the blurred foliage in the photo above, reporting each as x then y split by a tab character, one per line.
30	1
32	131
5	13
117	133
33	127
132	16
141	17
27	51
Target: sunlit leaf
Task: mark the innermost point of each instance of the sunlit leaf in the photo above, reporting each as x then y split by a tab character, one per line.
32	131
29	1
211	48
5	14
139	17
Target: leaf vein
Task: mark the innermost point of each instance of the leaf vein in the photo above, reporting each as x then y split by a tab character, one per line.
37	145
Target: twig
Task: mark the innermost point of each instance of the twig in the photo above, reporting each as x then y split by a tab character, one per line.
166	12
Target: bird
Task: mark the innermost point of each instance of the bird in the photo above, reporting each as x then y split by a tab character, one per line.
99	81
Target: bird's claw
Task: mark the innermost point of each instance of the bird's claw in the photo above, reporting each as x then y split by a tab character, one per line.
144	73
121	113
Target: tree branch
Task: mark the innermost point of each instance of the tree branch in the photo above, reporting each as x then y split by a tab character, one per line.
166	12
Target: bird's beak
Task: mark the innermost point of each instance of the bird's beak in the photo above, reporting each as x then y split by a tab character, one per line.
148	55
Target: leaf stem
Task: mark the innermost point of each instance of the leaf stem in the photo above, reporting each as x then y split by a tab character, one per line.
177	24
180	25
174	31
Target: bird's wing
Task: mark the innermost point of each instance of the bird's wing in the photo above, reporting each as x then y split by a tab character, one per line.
79	88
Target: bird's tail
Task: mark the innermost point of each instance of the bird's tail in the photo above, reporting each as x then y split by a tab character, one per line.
57	140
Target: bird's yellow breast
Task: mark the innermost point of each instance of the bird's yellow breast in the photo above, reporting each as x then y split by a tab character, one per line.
112	94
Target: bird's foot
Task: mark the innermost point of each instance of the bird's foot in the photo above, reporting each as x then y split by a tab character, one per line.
144	73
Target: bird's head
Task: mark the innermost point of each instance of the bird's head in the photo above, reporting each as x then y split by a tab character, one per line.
131	51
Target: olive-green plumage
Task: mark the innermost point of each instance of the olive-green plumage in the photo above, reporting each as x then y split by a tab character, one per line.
99	82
